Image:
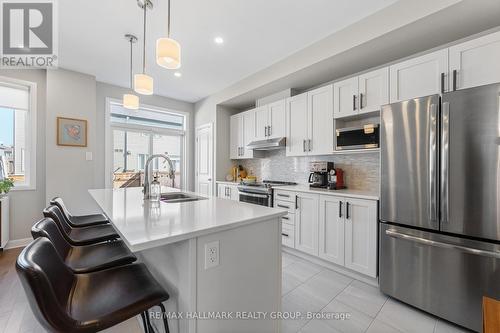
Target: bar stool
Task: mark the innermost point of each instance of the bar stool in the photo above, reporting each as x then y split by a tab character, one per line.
63	301
83	259
83	235
79	221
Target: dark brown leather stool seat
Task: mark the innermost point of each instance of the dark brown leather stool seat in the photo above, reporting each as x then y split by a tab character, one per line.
66	302
83	235
87	258
79	221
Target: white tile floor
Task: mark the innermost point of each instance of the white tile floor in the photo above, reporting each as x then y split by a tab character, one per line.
309	287
306	287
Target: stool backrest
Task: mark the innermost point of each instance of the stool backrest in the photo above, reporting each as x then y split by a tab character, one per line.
47	283
60	203
56	214
48	228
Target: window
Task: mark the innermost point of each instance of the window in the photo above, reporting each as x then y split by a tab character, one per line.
18	132
137	135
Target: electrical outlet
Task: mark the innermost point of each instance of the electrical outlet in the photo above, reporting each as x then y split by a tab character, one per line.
211	254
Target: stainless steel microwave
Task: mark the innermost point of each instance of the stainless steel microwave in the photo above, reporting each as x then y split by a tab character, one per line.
361	137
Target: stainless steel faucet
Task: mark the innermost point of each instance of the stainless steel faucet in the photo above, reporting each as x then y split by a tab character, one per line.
171	173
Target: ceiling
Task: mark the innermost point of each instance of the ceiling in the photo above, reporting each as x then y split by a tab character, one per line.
256	34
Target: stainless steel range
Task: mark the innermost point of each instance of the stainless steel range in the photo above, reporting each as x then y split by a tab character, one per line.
260	193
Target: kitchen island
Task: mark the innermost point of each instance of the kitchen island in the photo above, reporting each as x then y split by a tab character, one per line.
175	241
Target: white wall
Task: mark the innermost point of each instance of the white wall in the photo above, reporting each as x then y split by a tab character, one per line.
68	174
26	206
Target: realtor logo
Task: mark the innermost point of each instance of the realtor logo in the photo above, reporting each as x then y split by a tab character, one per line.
28	34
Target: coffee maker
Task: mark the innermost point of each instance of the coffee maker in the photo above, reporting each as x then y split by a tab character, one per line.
319	174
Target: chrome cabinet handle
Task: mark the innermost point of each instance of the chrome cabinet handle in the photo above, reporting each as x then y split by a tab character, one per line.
269	130
455	83
445	161
433	164
393	233
282	195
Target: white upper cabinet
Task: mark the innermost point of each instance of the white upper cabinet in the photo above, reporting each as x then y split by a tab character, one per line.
248	133
345	94
421	76
361	94
277	119
306	223
261	122
296	129
373	90
320	121
476	62
361	236
242	132
310	123
331	229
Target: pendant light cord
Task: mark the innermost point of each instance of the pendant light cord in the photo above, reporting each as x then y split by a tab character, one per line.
144	41
131	63
168	22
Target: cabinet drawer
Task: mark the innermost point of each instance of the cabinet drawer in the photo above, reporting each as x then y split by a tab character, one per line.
287	235
289	219
289	206
284	196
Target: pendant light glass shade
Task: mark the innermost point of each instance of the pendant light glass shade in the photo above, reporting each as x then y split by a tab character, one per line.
131	101
143	84
168	53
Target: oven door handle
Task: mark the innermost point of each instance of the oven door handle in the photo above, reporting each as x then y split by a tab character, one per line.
255	195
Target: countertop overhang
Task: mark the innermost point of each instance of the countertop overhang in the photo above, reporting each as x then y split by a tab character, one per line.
143	224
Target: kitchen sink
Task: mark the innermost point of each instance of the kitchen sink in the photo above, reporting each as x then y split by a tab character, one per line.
179	197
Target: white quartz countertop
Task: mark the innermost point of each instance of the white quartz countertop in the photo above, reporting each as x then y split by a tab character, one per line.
370	195
143	225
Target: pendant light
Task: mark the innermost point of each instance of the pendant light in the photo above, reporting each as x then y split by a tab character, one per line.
143	84
131	101
168	50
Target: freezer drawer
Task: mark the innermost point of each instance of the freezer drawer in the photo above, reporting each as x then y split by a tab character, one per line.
446	276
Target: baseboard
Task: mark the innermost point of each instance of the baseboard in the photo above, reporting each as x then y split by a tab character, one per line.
15	243
333	267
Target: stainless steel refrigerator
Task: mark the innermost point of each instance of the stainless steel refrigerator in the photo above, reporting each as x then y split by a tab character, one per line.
440	202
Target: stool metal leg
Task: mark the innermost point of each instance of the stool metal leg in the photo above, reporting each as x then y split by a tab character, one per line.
164	316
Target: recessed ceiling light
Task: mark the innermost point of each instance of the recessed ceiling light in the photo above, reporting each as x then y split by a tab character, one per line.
218	40
178	74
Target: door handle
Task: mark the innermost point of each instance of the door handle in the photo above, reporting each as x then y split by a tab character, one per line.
353	102
269	131
309	145
393	233
433	163
340	209
445	161
296	202
455	83
442	83
283	234
304	145
285	218
347	210
265	131
360	101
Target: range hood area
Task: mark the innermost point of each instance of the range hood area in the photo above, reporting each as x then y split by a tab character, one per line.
269	144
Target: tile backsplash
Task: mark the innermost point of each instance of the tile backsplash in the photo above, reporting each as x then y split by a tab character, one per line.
362	170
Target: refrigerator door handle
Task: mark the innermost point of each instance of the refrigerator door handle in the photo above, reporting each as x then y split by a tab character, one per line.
433	187
395	234
445	162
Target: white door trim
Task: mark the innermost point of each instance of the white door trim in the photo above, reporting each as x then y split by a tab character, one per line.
210	126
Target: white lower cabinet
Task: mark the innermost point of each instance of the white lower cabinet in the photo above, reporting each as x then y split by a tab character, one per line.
337	229
226	191
360	236
306	223
331	229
